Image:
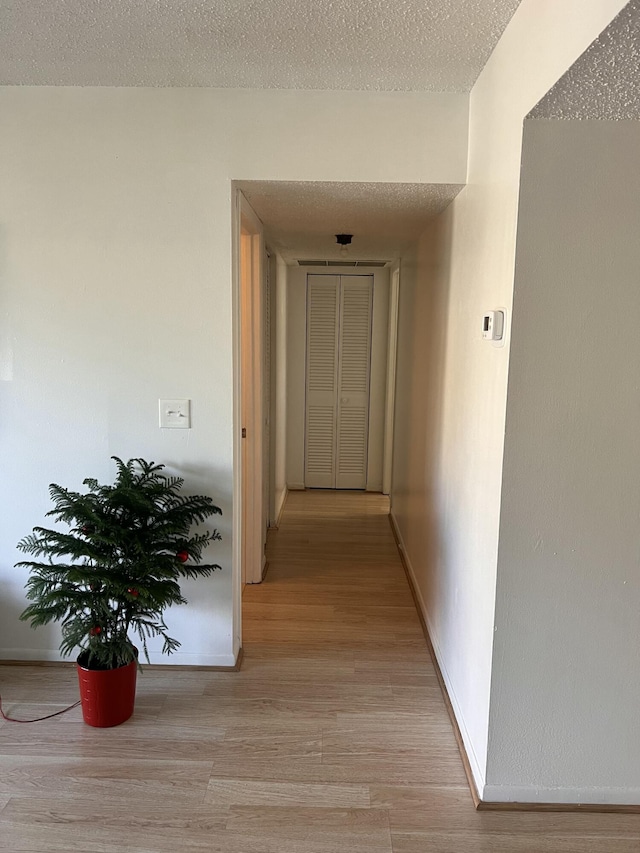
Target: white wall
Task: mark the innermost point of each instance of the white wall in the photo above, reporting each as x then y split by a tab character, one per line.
566	682
116	258
449	431
280	425
296	375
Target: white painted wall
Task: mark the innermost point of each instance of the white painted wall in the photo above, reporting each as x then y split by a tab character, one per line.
452	386
566	682
280	424
117	286
296	376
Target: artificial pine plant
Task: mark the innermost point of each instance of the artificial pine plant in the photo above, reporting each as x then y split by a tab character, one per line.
118	567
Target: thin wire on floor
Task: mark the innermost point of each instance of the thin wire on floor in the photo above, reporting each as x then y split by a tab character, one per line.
37	719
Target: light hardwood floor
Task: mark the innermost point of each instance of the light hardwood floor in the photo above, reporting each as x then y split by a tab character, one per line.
333	738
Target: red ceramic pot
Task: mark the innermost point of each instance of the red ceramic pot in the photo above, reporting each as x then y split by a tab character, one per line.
107	695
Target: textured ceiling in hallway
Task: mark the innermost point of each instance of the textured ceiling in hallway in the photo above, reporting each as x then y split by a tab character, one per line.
604	83
302	218
427	45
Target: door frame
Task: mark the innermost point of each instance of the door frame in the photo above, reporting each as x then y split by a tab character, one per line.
296	354
270	385
248	329
392	358
337	288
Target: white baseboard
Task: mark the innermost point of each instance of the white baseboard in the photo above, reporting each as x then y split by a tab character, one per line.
48	655
296	487
176	659
280	505
193	659
474	764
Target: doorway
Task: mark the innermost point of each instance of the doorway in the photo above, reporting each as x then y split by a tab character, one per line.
338	362
376	422
252	317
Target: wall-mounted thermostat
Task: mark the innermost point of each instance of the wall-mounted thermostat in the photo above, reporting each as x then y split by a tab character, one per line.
493	326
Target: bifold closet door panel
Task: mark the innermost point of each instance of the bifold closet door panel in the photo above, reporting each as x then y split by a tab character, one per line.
323	310
354	366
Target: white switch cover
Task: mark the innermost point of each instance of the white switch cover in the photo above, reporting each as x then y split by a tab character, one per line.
175	414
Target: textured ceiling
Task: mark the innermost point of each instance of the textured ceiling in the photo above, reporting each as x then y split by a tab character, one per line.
429	45
604	83
301	219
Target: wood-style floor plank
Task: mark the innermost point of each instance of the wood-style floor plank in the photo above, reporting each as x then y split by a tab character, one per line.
320	829
484	842
109	779
56	824
333	737
247	792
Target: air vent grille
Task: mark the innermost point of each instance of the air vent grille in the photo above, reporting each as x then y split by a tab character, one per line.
302	263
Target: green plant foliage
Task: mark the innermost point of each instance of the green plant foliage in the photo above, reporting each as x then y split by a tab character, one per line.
118	568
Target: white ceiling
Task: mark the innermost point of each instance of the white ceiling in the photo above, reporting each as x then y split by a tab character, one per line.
428	45
404	45
302	218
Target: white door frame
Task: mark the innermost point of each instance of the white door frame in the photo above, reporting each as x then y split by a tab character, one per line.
270	396
297	277
248	409
390	400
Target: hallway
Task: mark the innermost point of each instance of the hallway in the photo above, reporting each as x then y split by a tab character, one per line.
333	637
333	737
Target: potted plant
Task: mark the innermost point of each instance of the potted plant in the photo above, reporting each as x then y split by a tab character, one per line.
113	574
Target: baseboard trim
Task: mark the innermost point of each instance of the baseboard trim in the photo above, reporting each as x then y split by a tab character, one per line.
479	804
58	664
187	667
281	510
182	667
601	808
445	693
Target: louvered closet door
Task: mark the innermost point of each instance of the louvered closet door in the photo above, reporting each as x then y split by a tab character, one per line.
339	312
353	381
322	380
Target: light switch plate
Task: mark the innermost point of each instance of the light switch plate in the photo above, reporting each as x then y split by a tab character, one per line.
175	414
